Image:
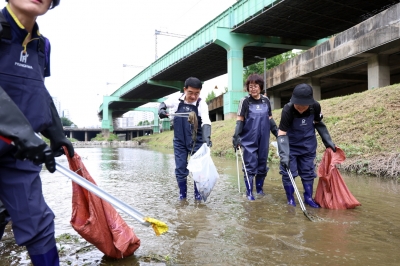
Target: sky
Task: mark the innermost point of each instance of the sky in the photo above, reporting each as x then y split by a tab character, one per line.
92	39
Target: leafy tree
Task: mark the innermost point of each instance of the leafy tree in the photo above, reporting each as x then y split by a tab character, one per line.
66	122
140	123
210	96
270	63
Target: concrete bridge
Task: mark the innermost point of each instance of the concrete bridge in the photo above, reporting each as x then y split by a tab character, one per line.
265	28
86	134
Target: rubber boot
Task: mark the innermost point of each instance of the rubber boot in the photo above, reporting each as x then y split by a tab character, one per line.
197	195
182	190
289	195
259	185
308	191
4	219
48	259
249	189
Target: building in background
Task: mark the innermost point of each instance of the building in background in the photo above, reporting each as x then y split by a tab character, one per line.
57	103
65	113
133	118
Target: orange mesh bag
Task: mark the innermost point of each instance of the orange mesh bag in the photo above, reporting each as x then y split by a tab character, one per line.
332	192
96	220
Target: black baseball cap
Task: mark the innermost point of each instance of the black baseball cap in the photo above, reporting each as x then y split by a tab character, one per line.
194	83
302	95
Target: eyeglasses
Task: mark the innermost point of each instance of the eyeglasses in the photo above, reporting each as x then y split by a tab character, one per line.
254	86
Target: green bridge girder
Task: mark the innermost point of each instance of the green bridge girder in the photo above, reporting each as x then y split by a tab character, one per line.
217	31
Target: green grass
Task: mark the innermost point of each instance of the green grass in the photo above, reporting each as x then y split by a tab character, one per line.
365	125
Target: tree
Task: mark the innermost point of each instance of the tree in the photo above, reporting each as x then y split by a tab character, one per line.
66	122
210	96
272	62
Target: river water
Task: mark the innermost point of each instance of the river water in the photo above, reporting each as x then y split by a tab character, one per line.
227	229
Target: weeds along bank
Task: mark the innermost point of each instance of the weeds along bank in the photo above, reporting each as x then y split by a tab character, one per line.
365	125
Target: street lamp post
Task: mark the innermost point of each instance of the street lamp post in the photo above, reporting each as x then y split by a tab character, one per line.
265	73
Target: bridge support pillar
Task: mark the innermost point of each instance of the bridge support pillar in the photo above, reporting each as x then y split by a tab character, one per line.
315	84
105	133
86	136
166	124
218	117
130	135
275	100
71	134
378	71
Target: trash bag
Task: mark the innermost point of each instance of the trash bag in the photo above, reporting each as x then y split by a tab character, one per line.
203	171
332	192
96	220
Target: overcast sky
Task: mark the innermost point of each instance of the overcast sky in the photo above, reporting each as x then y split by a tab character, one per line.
92	39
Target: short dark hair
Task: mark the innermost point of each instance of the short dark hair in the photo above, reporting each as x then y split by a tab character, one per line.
193	82
255	78
54	3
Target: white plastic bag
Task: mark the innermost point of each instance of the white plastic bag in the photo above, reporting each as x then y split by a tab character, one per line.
203	171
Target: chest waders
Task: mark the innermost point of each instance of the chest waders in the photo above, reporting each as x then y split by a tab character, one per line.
255	144
184	145
22	78
303	146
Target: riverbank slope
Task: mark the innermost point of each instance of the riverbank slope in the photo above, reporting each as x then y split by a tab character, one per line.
366	126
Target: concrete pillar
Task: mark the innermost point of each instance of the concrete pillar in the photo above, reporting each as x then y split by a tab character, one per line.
71	134
86	136
378	71
105	133
275	99
315	84
218	116
130	135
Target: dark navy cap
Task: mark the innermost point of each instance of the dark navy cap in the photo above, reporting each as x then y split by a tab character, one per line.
302	95
194	83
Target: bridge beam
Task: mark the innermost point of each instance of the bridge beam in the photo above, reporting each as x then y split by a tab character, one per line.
178	85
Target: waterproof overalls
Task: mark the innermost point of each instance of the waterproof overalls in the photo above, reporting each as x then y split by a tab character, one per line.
303	146
183	144
22	77
255	143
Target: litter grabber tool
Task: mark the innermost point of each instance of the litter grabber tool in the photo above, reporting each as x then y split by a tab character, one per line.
158	226
244	167
179	114
303	208
237	168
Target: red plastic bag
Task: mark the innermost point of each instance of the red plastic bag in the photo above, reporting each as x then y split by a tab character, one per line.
96	220
332	192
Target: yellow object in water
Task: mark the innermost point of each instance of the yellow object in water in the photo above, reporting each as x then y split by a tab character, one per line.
158	226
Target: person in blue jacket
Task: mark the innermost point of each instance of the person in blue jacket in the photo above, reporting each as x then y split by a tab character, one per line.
297	143
252	132
187	102
26	109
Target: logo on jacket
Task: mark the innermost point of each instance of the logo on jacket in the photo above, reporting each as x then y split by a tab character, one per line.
23	58
303	122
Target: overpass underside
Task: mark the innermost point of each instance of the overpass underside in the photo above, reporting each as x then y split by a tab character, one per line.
363	57
262	28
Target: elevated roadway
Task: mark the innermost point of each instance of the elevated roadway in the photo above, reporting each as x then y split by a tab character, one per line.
231	41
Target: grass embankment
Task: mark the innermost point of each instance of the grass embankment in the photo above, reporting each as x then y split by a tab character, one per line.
366	126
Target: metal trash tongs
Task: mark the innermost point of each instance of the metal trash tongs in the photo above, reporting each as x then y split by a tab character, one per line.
179	114
102	194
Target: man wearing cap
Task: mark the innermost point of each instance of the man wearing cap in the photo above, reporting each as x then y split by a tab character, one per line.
297	143
183	145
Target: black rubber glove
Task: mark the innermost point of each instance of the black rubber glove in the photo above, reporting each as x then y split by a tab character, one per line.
55	133
284	150
273	127
14	126
162	111
236	141
206	130
326	138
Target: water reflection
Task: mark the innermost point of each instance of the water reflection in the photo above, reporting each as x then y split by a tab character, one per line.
227	229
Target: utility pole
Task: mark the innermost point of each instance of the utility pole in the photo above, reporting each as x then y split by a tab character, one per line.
157	32
265	73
